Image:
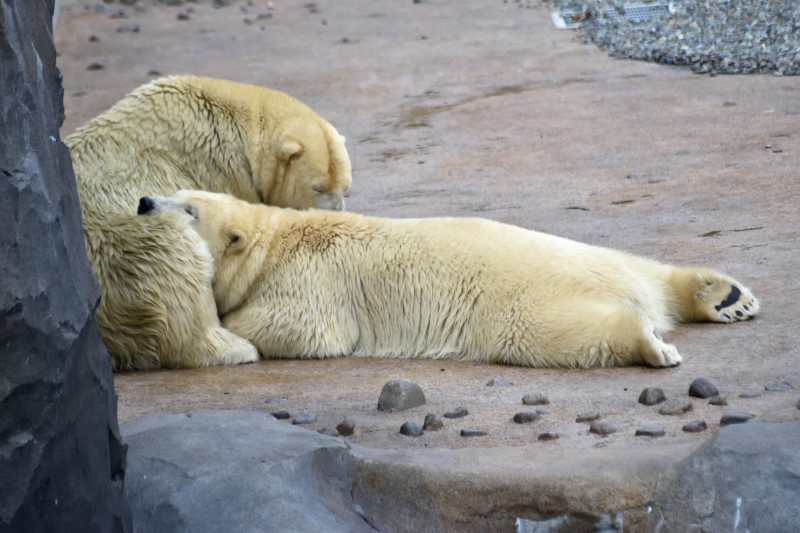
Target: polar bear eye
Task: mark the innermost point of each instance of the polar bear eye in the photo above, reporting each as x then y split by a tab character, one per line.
191	210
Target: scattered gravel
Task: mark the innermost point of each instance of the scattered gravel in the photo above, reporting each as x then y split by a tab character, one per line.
718	400
695	426
778	386
305	417
281	414
602	428
588	417
526	417
399	395
432	423
734	418
535	399
411	429
710	36
650	431
461	412
345	428
652	396
471	432
702	388
499	382
675	407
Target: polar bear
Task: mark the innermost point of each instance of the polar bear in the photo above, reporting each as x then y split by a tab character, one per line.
323	284
179	132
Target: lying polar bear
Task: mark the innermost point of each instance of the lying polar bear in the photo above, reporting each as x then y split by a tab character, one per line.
185	132
322	284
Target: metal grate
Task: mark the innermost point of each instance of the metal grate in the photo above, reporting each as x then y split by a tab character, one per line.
638	12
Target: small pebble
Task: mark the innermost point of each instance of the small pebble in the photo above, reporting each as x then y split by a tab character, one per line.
411	429
548	436
702	388
734	418
128	29
675	407
718	400
798	404
588	417
275	400
399	395
95	66
650	431
457	413
602	428
526	417
96	39
778	386
695	426
305	417
499	382
432	423
330	432
281	414
749	395
345	428
635	175
470	432
652	396
535	399
729	103
183	15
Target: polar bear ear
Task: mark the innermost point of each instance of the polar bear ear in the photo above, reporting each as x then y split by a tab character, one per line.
289	148
236	239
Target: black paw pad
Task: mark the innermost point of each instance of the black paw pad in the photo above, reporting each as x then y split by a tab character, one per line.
731	299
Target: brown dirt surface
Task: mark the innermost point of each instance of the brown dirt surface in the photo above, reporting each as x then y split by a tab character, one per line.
483	108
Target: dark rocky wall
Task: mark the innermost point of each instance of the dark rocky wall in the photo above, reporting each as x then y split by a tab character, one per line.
62	463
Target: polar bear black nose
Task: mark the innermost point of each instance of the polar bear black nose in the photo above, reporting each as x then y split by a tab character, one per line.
146	204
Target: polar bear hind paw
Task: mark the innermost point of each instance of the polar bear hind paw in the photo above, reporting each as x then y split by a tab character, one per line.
731	303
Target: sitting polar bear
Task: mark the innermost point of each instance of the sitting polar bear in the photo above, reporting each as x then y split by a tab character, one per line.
321	284
157	308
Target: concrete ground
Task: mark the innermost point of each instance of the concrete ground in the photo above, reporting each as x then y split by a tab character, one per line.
483	108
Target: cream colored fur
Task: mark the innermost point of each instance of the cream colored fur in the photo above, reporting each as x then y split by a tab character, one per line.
182	132
322	284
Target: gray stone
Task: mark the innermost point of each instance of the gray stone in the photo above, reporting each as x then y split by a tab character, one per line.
281	414
399	395
279	399
675	407
346	428
695	426
749	395
548	435
779	386
498	382
457	413
702	388
305	417
588	417
535	399
744	479
652	396
718	401
798	404
206	473
527	417
734	418
602	428
651	431
472	432
411	429
330	432
432	423
62	461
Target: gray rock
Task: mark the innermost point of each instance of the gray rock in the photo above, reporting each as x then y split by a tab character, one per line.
702	388
62	461
652	396
718	401
675	407
457	413
695	426
399	395
779	386
798	404
305	417
535	399
281	414
744	479
279	399
588	417
734	418
471	432
330	432
527	417
499	382
411	429
204	473
548	435
432	423
346	428
749	395
602	428
650	431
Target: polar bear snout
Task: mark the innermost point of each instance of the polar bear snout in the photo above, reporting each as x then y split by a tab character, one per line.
329	201
146	204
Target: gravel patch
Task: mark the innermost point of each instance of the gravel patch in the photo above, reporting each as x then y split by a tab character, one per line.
709	36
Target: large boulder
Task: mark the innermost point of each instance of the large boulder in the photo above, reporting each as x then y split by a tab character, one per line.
62	463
